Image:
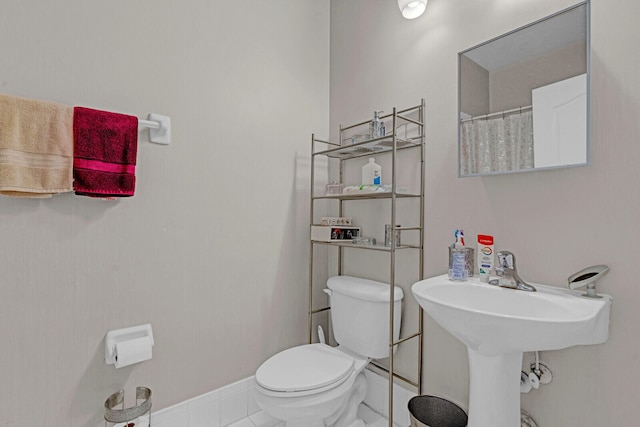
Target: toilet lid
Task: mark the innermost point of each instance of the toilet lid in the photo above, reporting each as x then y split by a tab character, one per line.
305	367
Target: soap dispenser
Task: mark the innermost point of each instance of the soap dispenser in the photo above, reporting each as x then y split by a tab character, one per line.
376	127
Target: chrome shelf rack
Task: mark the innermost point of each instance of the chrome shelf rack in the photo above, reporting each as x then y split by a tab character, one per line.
391	143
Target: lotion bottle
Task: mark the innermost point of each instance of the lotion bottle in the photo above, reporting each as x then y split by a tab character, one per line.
486	258
371	173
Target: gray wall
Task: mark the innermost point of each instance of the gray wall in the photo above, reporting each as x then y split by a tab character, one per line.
556	222
474	84
212	250
511	86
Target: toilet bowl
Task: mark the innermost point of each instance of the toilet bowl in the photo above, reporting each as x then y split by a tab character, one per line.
316	385
313	385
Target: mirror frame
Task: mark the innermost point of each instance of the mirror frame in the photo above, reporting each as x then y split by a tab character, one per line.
587	5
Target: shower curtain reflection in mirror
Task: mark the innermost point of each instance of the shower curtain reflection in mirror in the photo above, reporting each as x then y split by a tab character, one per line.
499	144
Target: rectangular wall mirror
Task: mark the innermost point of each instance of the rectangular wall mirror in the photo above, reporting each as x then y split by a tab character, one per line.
524	98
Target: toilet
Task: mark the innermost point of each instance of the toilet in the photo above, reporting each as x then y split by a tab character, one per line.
316	385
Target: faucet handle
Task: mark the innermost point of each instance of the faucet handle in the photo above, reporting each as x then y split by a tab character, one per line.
506	259
508	276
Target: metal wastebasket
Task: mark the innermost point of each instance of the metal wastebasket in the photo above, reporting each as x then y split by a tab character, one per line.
432	411
137	416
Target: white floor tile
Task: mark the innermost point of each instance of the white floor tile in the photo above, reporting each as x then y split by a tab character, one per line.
205	411
377	396
382	422
368	415
175	416
252	404
234	388
233	408
400	409
246	422
262	419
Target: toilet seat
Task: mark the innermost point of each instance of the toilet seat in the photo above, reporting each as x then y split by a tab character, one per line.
304	370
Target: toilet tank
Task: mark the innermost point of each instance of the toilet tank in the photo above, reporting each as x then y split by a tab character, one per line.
360	314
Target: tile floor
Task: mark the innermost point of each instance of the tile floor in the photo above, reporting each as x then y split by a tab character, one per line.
235	406
260	419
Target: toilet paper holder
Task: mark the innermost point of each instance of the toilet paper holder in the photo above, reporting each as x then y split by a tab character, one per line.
126	334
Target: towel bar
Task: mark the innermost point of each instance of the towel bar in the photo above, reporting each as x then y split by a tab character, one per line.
159	128
148	124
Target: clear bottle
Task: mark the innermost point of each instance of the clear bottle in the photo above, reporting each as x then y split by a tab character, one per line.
377	127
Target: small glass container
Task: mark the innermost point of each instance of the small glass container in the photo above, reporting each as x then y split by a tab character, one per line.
364	241
333	189
461	263
355	139
387	235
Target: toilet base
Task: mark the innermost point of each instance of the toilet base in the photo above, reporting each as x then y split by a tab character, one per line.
343	414
348	412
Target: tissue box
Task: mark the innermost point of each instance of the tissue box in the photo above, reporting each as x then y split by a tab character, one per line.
333	233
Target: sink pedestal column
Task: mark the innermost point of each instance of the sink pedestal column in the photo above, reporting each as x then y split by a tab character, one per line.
494	391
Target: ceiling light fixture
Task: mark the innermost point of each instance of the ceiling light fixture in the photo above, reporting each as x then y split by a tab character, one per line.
411	9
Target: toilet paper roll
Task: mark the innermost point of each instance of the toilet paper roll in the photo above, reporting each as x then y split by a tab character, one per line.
133	351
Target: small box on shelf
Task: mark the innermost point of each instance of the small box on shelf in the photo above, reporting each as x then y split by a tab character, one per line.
333	233
333	220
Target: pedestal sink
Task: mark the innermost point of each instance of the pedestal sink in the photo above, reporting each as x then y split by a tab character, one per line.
497	325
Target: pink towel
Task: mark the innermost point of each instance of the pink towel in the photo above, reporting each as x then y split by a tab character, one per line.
105	151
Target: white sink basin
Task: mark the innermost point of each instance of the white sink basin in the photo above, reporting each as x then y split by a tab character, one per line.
498	324
494	320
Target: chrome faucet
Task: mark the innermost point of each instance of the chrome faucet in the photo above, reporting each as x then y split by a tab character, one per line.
508	275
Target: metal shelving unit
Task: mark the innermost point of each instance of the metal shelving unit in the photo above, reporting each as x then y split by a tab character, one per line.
391	143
